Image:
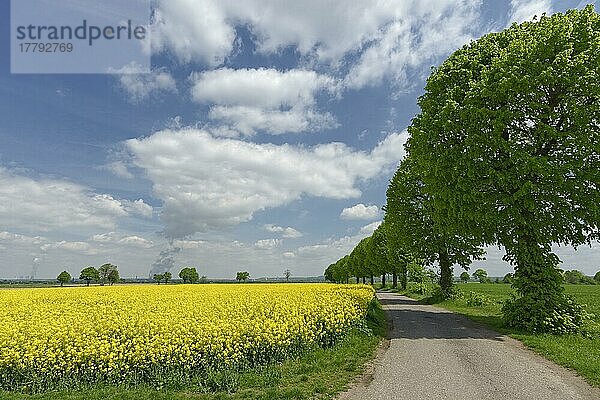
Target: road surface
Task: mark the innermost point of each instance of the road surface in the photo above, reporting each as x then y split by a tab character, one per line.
436	354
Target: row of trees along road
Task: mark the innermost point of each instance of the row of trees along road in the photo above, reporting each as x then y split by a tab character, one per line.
505	151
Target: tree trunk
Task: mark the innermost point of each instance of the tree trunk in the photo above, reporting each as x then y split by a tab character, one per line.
445	273
403	276
357	280
383	280
394	280
88	283
538	281
364	278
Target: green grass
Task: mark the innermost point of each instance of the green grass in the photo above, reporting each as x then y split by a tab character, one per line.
578	352
321	373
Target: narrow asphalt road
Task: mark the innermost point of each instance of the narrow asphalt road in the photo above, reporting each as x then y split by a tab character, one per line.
436	354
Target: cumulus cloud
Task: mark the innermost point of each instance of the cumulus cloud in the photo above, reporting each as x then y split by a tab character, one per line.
413	40
368	230
207	182
140	86
388	37
138	207
193	30
267	244
360	211
118	168
288	232
267	100
42	205
76	247
525	10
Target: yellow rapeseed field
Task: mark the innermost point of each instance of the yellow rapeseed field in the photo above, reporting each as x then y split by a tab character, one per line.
126	333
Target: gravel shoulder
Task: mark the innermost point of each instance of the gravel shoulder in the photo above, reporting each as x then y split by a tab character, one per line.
436	354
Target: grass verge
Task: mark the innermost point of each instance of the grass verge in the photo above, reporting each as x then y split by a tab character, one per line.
321	373
578	352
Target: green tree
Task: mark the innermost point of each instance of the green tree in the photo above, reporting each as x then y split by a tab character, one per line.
167	277
508	142
189	275
63	277
481	275
575	277
89	274
410	209
113	276
242	276
465	277
158	278
508	278
597	277
105	271
287	273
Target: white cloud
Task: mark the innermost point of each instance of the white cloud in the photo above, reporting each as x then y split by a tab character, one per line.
267	244
289	254
76	247
360	211
42	205
136	241
189	244
389	37
288	232
368	230
413	40
264	88
140	86
525	10
207	182
138	207
267	100
118	168
193	30
15	238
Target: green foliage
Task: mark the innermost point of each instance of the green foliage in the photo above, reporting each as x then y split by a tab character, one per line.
113	276
189	275
576	277
108	273
410	212
481	275
89	274
508	144
528	315
508	278
167	277
242	276
472	299
63	277
465	277
158	278
597	277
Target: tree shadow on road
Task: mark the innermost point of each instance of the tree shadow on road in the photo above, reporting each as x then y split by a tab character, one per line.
407	319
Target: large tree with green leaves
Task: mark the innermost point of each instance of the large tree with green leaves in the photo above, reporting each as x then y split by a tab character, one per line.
410	213
107	273
89	274
63	277
189	275
508	143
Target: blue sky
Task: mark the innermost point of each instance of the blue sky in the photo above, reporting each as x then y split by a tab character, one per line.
263	139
